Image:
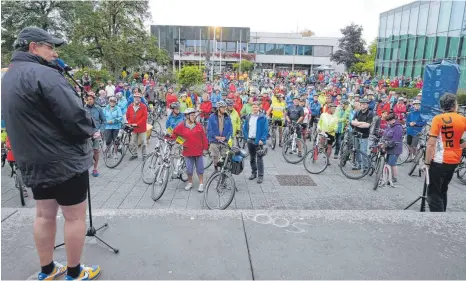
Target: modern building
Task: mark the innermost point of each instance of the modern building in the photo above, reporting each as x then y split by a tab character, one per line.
420	33
220	47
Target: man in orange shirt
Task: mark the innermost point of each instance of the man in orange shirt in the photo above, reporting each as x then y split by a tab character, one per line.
444	151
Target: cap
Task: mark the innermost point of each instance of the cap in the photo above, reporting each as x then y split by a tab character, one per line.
332	105
416	102
189	110
420	94
35	34
364	101
315	94
401	99
295	98
384	96
137	95
351	95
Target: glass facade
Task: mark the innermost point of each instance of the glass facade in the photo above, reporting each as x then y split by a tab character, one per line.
420	33
289	49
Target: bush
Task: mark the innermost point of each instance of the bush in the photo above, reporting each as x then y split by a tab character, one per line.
411	92
190	76
97	76
246	66
461	97
163	77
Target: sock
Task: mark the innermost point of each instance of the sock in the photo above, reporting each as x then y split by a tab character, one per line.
74	271
48	268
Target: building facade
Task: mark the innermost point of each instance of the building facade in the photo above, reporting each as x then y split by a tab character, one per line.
420	33
220	47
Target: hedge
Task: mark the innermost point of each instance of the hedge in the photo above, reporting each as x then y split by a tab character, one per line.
410	92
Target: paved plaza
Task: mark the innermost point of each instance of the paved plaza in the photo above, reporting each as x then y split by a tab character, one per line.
123	188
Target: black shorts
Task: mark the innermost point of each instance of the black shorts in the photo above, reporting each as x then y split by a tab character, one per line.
68	193
412	141
278	123
330	139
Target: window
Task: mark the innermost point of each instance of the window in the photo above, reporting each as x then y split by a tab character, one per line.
396	50
411	48
441	45
403	49
430	47
179	48
413	19
251	48
387	51
269	49
433	17
423	15
401	69
444	16
308	50
231	47
421	44
221	46
463	74
382	26
261	49
393	69
409	69
322	51
242	47
279	49
457	13
397	23
404	22
289	50
389	31
417	68
453	44
190	44
463	49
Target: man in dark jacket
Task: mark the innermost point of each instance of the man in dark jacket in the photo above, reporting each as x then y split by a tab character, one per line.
50	134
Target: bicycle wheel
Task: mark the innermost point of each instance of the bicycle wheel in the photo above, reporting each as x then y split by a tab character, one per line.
183	171
403	157
290	150
156	129
378	173
207	159
114	155
221	188
274	138
351	167
461	173
415	163
315	161
240	141
160	182
148	168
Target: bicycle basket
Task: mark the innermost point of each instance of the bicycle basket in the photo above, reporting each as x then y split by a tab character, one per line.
237	167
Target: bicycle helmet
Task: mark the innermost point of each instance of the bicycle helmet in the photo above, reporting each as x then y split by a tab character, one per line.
189	111
112	99
175	105
221	104
262	151
229	102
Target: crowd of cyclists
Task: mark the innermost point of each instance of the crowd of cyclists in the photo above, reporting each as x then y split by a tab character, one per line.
337	113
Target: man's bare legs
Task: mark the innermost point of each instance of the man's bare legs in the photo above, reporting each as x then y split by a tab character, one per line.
45	228
75	232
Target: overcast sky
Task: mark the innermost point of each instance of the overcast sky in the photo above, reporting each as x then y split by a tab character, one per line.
324	17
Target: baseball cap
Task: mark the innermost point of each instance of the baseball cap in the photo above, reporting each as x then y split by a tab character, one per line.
35	34
364	101
416	102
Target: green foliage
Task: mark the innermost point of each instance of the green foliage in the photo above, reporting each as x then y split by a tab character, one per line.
350	44
97	76
410	92
246	66
170	76
366	62
461	97
190	76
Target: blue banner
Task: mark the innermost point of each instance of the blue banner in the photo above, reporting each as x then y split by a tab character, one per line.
439	78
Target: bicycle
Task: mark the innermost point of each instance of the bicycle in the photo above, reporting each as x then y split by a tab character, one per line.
230	164
357	158
383	172
117	149
273	133
162	171
4	154
292	144
317	154
151	162
19	184
419	155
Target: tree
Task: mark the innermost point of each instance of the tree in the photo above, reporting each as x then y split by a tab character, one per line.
349	45
307	33
246	66
113	32
366	62
56	17
190	76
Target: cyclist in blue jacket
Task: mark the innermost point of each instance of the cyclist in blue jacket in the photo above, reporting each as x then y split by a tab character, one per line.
175	117
414	125
219	129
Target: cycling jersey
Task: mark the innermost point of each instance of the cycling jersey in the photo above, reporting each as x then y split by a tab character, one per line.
277	109
448	128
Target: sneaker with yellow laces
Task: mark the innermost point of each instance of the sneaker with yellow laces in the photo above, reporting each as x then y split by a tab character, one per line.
58	271
87	273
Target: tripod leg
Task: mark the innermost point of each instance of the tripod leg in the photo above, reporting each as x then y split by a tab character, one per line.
414	202
113	249
423	201
105	225
59	245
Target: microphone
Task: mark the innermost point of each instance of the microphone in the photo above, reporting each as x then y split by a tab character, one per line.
63	65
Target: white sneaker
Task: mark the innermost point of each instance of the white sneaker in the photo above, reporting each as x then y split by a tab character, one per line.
188	187
201	188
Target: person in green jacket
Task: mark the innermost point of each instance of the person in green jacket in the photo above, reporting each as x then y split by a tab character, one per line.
234	116
247	108
342	114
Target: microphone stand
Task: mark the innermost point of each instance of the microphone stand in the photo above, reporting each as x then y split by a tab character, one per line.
91	231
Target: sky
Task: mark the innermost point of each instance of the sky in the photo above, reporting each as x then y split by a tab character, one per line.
324	17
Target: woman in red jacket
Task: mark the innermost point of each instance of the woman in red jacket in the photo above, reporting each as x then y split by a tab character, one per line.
137	117
205	108
171	97
194	140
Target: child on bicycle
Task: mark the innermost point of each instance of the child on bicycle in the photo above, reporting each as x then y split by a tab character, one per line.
11	160
393	136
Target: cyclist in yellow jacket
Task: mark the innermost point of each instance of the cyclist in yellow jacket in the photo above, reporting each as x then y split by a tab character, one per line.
328	123
277	112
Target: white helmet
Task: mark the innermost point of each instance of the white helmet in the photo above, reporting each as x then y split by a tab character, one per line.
189	111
